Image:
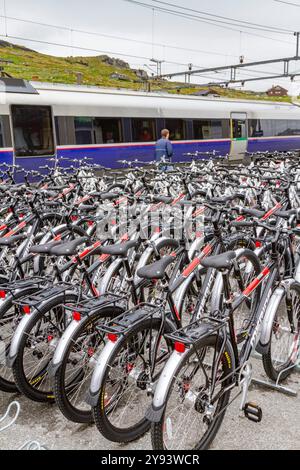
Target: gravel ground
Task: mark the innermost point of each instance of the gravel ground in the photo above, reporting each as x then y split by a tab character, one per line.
279	429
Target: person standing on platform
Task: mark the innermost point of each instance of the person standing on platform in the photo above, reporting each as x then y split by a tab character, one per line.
164	149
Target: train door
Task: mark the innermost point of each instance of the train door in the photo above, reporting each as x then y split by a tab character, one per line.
239	136
33	134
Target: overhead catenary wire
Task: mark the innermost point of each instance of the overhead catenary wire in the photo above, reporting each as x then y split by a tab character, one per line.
87	49
215	22
44	42
131	56
213	15
111	36
288	3
74	30
5	16
181	15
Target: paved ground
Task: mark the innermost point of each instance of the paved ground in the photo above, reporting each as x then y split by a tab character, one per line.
280	428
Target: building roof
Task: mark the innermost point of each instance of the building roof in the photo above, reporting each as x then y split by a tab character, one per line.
278	87
206	93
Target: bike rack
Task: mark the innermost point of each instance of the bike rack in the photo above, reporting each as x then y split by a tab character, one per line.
33	445
276	385
29	445
90	306
13	404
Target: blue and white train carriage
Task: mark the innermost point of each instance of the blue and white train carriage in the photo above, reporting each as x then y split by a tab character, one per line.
40	120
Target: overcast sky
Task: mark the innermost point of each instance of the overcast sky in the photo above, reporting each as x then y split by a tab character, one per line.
213	45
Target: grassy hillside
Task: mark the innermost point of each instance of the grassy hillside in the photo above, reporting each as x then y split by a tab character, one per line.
32	65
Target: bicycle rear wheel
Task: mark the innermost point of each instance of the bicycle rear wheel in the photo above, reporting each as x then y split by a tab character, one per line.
193	412
283	347
123	398
36	347
72	379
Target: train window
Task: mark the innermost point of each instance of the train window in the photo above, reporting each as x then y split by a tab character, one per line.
239	129
143	130
107	131
293	127
84	130
286	128
255	128
273	127
176	128
58	139
5	132
212	129
32	131
90	131
1	133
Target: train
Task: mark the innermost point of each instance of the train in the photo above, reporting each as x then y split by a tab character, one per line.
42	121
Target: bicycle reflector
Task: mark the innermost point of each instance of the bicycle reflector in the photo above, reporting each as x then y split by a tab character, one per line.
2	294
179	347
26	309
76	316
113	338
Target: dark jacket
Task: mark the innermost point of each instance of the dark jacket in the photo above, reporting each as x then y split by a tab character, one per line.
163	148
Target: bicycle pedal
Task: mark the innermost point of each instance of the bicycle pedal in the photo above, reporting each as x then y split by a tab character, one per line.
253	412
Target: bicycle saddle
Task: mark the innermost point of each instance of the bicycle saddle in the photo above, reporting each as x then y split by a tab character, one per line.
199	192
164	199
52	203
222	261
69	248
119	249
11	241
44	249
108	196
253	212
285	214
156	270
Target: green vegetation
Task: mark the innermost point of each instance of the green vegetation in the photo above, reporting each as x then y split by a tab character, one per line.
99	70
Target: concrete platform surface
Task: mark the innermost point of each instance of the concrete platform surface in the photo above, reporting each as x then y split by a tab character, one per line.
279	429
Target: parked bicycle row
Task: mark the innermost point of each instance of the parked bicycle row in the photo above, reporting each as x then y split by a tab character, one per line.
136	300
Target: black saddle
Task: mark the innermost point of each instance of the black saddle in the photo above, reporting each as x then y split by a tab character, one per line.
223	199
222	261
14	240
109	196
69	248
119	249
164	199
52	203
199	192
44	249
285	214
253	212
156	270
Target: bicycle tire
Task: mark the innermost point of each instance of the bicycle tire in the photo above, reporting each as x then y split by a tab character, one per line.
101	417
27	386
69	410
157	429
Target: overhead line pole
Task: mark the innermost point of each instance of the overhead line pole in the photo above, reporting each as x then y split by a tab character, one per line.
297	43
233	68
244	80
